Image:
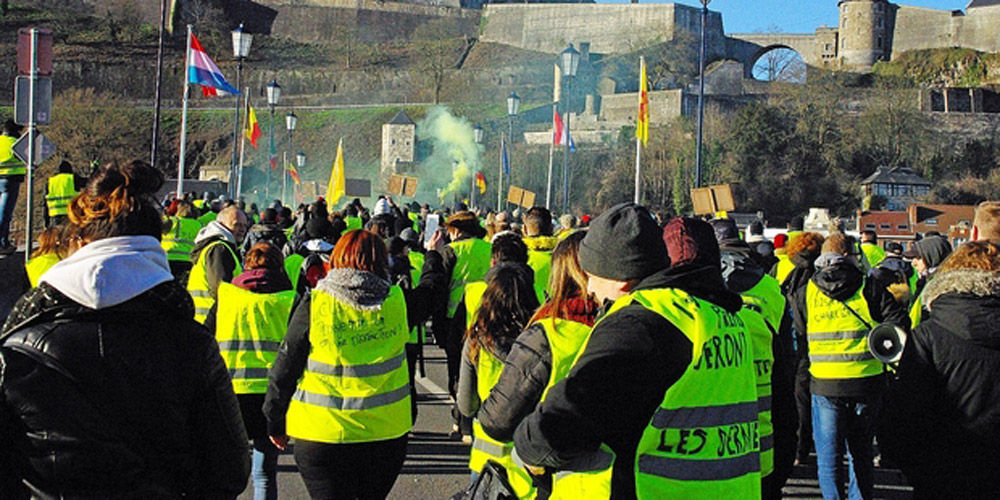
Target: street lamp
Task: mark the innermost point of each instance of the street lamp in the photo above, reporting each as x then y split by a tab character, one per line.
701	95
478	134
300	163
273	94
241	48
290	122
569	62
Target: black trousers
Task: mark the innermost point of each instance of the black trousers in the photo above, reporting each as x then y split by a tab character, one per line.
803	401
350	470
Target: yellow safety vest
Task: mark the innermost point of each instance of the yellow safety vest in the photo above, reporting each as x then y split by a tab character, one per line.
488	369
9	164
702	444
207	217
414	218
838	340
474	298
353	223
198	203
178	242
356	386
540	257
763	308
916	313
197	284
293	268
61	191
873	253
416	268
37	266
472	260
249	328
785	267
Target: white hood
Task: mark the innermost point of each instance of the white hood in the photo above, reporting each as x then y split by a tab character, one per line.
110	271
214	228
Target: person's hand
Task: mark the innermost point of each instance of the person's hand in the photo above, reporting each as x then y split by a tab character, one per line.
280	442
436	242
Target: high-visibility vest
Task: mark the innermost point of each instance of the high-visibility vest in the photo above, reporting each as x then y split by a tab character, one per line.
353	223
785	267
416	268
702	444
207	217
472	260
9	164
763	308
61	191
488	369
916	313
197	284
178	242
873	253
838	340
415	219
293	268
249	328
198	203
37	266
540	257
356	386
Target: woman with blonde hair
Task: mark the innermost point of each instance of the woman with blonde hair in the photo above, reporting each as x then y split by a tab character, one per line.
110	388
941	421
545	351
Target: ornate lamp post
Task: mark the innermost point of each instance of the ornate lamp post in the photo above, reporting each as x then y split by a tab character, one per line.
478	134
273	94
569	62
241	48
701	94
300	163
290	122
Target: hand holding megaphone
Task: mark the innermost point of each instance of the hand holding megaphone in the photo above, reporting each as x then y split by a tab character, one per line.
886	342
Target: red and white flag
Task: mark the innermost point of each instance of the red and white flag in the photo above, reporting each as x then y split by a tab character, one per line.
560	133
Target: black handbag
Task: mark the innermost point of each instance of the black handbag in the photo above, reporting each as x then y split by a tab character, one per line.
492	484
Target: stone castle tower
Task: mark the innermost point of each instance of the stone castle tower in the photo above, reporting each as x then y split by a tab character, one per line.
399	144
866	28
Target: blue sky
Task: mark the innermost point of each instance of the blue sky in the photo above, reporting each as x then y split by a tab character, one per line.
792	16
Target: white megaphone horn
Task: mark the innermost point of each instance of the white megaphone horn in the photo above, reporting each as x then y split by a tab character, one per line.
886	342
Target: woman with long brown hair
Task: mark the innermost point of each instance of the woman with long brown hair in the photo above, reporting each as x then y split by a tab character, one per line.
127	395
339	384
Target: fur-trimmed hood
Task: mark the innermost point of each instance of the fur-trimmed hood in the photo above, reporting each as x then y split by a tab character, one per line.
360	289
966	303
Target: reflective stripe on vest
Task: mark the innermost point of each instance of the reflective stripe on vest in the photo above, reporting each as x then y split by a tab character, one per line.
197	284
249	328
355	387
9	165
838	340
762	312
61	191
488	369
702	444
472	260
178	242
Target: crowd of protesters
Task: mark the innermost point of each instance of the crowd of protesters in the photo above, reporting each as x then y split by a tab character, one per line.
172	349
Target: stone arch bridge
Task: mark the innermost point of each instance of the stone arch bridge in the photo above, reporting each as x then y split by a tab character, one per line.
818	49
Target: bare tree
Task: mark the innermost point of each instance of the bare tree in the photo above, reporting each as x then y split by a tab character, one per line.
780	64
437	48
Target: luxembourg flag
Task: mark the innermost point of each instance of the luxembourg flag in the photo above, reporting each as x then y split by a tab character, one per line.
560	134
202	71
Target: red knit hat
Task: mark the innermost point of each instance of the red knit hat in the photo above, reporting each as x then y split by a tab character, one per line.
780	240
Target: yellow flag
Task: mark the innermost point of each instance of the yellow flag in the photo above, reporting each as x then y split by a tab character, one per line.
336	188
642	124
253	128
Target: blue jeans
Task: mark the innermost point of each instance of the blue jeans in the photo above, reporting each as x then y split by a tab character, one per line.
9	187
845	425
265	469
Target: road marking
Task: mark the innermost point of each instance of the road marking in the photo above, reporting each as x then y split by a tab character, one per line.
435	389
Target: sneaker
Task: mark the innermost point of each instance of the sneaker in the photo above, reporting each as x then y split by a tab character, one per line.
8	250
467	440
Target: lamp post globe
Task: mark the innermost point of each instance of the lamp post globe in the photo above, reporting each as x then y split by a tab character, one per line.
273	93
241	49
291	120
300	159
569	61
241	43
513	104
478	133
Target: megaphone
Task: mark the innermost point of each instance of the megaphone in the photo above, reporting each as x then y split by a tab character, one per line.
886	342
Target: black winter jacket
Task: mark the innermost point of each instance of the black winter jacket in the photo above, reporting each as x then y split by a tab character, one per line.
131	401
941	422
840	282
632	358
270	233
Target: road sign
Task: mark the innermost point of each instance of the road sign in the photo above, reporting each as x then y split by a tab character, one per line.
43	100
43	148
43	58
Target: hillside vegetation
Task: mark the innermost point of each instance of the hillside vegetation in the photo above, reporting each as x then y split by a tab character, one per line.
954	67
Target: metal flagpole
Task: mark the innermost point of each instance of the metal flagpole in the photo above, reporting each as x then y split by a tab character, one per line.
552	155
284	175
638	141
243	143
638	160
184	116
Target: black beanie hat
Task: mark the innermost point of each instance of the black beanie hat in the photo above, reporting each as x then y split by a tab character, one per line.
623	244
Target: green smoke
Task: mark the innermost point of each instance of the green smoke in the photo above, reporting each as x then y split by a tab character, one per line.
455	155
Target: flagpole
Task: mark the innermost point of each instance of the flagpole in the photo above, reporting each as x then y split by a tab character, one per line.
159	82
184	116
243	143
638	139
552	156
284	175
500	176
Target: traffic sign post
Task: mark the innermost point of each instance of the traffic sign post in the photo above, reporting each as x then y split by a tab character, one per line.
44	148
41	102
34	59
